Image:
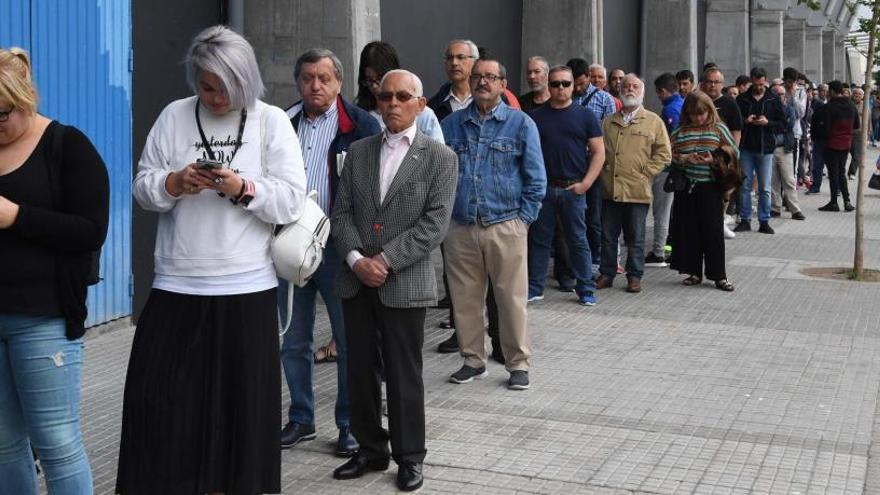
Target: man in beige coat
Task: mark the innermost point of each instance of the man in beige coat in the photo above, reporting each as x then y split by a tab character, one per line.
636	150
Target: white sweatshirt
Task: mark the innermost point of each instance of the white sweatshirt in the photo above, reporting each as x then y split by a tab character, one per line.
204	235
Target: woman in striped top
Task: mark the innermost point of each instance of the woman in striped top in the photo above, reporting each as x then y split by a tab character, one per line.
697	220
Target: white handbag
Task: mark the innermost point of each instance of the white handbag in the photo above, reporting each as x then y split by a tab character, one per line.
298	248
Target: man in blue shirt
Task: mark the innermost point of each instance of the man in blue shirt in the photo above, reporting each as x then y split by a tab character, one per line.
567	131
667	88
501	184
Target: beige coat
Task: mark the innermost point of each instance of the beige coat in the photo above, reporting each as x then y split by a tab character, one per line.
634	155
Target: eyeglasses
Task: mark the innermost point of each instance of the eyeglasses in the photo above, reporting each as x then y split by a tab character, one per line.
488	77
4	115
371	82
712	83
560	84
402	96
460	57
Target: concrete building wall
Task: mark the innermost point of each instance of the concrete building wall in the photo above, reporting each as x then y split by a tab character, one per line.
621	34
420	31
727	36
659	19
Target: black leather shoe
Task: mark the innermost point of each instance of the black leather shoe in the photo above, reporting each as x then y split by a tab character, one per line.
346	444
295	433
409	476
359	465
449	345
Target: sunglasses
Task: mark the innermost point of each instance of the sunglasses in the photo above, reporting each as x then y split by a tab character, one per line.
402	96
560	84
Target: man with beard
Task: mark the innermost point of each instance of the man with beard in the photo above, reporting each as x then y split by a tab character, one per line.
536	77
636	150
685	80
615	82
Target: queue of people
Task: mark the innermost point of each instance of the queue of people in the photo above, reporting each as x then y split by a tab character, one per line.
568	170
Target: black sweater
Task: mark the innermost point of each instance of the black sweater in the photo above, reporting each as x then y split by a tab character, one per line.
45	255
759	138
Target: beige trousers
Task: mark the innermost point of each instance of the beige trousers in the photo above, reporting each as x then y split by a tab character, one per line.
499	252
783	178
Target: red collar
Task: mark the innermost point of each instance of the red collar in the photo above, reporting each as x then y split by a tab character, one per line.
346	124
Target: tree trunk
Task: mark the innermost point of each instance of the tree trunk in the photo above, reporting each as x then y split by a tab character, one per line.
859	255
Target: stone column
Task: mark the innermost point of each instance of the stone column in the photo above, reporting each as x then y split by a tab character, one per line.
829	55
727	36
793	43
813	46
672	25
766	37
841	70
281	30
559	30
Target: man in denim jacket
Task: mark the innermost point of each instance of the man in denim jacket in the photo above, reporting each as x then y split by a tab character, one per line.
501	184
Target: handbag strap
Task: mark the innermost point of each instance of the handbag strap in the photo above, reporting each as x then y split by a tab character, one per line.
264	170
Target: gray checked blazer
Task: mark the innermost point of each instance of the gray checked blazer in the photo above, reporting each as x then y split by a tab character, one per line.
409	224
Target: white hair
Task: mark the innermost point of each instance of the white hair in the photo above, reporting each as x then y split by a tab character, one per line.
632	102
598	67
414	79
541	60
475	52
226	54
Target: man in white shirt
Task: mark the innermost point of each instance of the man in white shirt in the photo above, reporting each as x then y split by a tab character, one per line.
392	209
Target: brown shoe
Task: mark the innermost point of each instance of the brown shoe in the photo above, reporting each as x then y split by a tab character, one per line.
633	284
604	282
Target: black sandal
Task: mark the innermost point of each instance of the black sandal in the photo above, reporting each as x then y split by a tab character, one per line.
724	285
692	280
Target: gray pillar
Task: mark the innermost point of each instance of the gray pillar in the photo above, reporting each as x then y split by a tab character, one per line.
813	47
667	53
840	70
829	55
561	29
727	36
793	42
281	30
766	41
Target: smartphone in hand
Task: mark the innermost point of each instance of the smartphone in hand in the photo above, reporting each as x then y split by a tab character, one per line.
204	164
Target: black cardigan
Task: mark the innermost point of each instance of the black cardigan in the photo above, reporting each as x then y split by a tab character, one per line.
75	226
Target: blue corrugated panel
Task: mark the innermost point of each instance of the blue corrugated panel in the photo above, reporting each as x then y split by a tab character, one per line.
80	53
15	25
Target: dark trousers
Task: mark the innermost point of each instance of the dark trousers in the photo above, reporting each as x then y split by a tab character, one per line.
378	335
697	225
628	218
818	165
594	221
835	160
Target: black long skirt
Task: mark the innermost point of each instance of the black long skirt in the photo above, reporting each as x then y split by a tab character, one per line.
698	230
202	404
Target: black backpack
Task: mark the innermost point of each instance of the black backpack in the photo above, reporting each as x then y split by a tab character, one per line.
55	160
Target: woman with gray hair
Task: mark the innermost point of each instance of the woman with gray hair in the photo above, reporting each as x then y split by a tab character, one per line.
202	394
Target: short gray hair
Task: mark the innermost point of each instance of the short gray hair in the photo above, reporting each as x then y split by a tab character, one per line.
542	60
226	54
475	52
599	67
416	82
314	55
560	68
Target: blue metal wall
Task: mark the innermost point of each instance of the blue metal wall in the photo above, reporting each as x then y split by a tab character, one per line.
80	51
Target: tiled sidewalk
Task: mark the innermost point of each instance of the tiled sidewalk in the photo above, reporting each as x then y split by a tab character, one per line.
770	389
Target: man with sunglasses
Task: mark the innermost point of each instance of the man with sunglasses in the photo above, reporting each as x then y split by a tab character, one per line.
501	184
573	150
391	211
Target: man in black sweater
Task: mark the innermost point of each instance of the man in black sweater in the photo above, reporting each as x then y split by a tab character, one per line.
834	124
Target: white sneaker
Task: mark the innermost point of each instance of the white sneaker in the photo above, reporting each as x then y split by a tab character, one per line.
730	220
728	234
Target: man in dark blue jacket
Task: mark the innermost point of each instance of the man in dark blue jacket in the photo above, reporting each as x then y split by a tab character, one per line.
326	125
764	119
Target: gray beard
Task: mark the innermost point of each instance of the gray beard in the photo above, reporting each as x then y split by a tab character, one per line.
632	102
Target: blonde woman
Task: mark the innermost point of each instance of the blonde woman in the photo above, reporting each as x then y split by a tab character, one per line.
54	196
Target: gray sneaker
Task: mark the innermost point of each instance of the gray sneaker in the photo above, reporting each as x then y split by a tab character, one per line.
519	380
468	374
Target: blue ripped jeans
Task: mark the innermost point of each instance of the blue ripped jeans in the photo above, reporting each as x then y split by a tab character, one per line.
39	405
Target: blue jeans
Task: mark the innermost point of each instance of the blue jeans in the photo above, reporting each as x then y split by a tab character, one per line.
297	348
594	220
40	374
818	165
751	164
569	206
629	218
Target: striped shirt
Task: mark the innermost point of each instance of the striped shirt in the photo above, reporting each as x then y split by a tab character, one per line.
699	139
315	136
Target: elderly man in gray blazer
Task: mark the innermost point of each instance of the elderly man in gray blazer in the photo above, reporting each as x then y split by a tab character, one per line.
392	209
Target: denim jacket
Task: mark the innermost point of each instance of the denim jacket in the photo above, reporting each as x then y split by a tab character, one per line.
501	172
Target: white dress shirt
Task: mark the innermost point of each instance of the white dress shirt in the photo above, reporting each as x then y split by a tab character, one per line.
394	149
457	104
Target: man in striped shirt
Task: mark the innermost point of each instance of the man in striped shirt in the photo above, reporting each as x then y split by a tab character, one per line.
326	125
